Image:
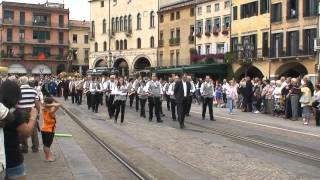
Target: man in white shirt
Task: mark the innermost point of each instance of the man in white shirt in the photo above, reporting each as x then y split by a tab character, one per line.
110	87
154	90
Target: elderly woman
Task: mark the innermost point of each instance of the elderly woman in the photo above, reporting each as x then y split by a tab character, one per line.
294	93
277	99
306	103
268	99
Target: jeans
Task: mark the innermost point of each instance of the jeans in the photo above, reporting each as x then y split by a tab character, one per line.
207	101
230	104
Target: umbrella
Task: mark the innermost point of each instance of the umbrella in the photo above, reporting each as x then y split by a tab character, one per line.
3	69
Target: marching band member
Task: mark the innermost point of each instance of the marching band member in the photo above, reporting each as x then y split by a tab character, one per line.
165	90
131	92
95	89
120	90
206	91
190	97
105	84
79	90
143	98
172	98
86	88
154	90
135	86
181	92
110	87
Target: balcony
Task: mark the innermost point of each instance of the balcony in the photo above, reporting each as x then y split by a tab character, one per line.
48	24
216	31
174	41
207	33
160	43
7	21
191	39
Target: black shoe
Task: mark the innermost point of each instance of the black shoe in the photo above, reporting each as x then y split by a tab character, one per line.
159	121
150	119
174	119
187	114
181	126
212	119
162	115
203	118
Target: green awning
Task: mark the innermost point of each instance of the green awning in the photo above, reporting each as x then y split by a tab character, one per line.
217	68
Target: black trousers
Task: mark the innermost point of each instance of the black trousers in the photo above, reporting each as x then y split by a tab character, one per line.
111	106
154	105
168	102
65	94
207	101
89	96
120	107
189	103
101	98
95	99
182	110
173	109
73	96
247	104
137	102
317	117
131	98
79	96
107	100
143	107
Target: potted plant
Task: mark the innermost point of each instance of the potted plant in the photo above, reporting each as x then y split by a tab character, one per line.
199	34
225	31
215	31
207	33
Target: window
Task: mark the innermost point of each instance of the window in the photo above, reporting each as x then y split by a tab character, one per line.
252	39
41	35
104	26
41	51
9	51
22	18
208	26
199	26
115	2
152	42
208	47
21	35
293	43
264	6
60	52
104	46
9	35
121	24
86	55
276	45
160	58
161	18
172	16
199	11
171	33
152	19
102	3
113	25
308	41
249	10
86	39
220	49
171	57
235	13
178	15
117	24
217	23
8	16
192	12
209	9
129	23
93	29
265	44
121	44
139	43
125	44
227	4
41	19
75	38
216	7
178	35
21	51
292	9
61	20
309	8
125	24
234	44
117	45
199	49
139	21
276	12
95	47
60	37
226	22
177	57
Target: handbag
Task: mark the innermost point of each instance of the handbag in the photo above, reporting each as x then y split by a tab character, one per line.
305	99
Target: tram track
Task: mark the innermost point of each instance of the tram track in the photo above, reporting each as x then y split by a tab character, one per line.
127	164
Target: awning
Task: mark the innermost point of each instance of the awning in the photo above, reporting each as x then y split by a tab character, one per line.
17	69
41	69
3	69
217	68
98	71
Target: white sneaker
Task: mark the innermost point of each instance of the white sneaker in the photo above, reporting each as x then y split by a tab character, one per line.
257	112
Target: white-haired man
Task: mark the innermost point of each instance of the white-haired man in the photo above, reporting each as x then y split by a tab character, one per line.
29	99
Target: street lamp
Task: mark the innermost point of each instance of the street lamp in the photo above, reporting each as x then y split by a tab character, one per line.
246	51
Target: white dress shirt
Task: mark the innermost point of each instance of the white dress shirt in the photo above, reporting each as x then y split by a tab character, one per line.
184	88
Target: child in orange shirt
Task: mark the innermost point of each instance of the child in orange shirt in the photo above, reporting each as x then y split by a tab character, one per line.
48	127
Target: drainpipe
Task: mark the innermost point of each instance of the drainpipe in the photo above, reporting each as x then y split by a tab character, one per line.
269	39
318	36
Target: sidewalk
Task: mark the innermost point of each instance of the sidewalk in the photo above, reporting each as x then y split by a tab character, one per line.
71	162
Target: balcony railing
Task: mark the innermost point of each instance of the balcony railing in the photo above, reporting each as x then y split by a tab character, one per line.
41	23
41	40
174	41
33	24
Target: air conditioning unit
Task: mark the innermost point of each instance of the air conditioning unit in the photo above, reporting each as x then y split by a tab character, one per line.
317	44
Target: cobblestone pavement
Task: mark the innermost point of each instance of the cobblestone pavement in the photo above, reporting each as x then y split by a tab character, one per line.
220	157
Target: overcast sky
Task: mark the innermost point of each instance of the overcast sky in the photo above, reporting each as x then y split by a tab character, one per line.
79	9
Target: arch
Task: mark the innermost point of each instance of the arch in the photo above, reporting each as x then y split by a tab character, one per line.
152	19
112	25
41	69
139	43
121	23
292	69
117	24
100	63
125	23
17	69
151	42
138	21
104	26
129	22
122	65
61	68
141	62
252	71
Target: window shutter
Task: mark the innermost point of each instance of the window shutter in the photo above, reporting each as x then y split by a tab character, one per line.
280	44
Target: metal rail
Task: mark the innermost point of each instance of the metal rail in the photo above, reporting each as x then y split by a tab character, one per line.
108	148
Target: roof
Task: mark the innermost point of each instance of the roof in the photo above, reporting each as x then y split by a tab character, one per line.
77	23
166	5
46	6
